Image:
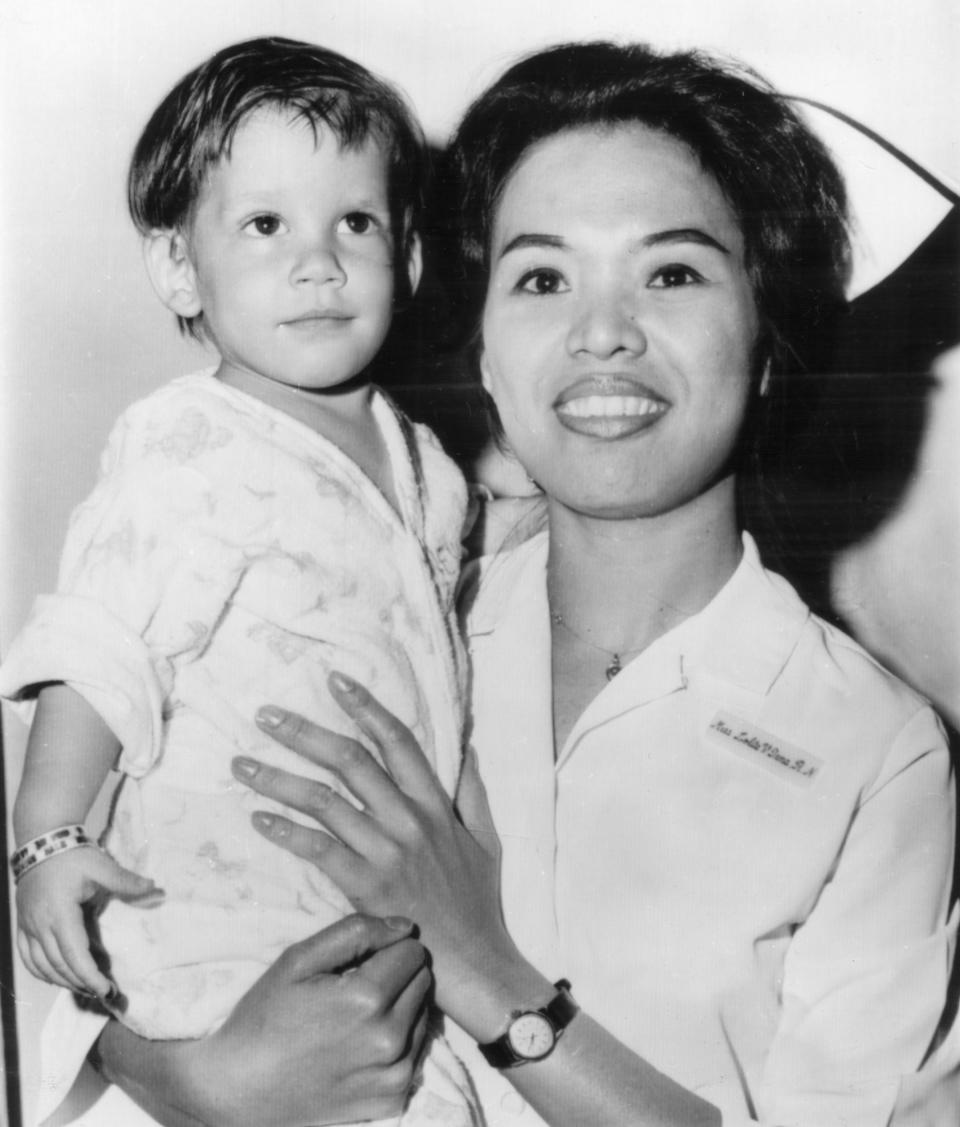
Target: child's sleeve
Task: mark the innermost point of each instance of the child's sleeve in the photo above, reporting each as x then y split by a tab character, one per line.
145	573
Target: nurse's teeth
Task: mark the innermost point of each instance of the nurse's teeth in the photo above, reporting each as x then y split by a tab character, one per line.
609	406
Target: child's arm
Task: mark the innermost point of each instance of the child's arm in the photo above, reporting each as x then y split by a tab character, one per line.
69	754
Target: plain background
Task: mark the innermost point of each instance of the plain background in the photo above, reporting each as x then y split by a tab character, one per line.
81	334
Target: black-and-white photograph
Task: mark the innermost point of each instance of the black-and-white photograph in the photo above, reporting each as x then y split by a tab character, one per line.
480	500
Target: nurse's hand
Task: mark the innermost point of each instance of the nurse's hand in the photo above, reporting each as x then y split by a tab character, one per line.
407	852
331	1033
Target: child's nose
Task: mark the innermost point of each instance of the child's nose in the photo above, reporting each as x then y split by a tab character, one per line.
317	263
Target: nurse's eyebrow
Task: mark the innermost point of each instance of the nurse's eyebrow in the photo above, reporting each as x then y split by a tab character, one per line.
657	239
532	240
682	235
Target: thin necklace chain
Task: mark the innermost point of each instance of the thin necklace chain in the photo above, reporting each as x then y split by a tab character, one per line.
615	664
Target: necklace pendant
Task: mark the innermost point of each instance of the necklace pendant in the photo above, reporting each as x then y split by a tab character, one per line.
614	667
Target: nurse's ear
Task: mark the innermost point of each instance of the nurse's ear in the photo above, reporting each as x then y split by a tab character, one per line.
485	378
171	272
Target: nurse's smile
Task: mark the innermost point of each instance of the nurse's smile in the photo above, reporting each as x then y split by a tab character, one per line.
609	407
620	324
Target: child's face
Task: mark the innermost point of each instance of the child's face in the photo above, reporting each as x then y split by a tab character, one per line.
292	255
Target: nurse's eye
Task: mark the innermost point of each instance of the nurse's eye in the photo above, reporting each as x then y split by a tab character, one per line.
542	282
263	226
676	274
359	223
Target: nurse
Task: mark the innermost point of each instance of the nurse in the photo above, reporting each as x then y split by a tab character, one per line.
707	810
720	820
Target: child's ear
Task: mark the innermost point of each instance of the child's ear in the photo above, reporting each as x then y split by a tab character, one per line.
414	262
765	380
171	272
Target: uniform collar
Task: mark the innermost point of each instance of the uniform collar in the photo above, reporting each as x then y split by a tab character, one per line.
743	637
746	634
497	589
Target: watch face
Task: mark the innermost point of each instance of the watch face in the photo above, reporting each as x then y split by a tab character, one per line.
531	1036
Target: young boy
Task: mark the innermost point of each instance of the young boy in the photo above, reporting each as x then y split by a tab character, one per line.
252	530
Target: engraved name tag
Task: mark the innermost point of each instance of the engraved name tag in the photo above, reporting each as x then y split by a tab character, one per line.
763	749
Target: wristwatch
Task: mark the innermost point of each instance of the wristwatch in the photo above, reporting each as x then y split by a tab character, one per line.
533	1034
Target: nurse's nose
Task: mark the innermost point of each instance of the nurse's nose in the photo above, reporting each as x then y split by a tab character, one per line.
605	324
317	263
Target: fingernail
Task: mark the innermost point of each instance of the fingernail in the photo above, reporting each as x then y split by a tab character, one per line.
246	768
269	824
398	923
342	683
269	716
152	898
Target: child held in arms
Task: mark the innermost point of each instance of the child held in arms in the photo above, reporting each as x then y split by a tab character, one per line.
254	530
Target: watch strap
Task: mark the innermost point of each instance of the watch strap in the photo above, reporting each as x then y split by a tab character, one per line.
559	1012
561	1009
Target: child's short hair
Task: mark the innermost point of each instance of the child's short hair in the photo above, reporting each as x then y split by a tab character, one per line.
194	125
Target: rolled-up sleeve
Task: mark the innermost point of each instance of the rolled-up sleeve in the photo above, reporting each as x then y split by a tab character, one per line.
81	643
144	577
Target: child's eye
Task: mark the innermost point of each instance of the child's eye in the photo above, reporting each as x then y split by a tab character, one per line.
262	226
676	274
541	282
359	223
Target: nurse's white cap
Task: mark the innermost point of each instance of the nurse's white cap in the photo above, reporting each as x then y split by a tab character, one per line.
895	200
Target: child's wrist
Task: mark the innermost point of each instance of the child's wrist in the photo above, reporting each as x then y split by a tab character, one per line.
40	817
49	844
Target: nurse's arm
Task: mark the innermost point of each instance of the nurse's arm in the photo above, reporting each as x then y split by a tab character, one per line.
407	847
307	1044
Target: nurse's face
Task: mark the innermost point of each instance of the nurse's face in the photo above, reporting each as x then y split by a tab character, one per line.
619	324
